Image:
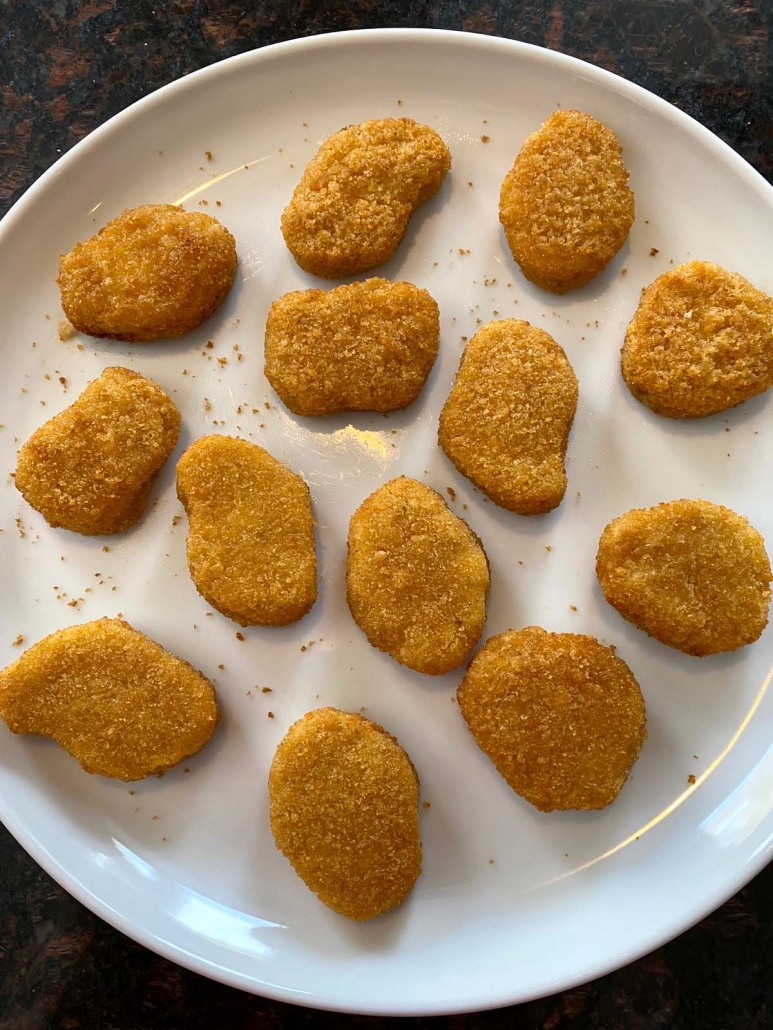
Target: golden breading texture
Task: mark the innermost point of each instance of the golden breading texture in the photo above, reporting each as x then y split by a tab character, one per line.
115	699
90	468
155	271
701	341
344	810
351	208
365	347
416	577
692	574
251	534
560	716
565	204
506	422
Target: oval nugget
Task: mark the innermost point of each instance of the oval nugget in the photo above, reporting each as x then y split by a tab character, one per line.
692	574
115	699
251	533
560	716
90	468
365	347
565	204
506	422
155	271
416	577
351	208
344	810
701	341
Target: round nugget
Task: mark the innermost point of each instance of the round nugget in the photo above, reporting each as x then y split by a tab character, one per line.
155	271
692	574
565	204
560	716
344	810
700	342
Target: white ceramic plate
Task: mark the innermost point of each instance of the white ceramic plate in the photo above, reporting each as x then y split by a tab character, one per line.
186	864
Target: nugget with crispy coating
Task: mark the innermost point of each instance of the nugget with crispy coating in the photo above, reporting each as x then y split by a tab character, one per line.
560	716
115	699
506	422
692	574
565	204
155	271
700	341
90	468
365	347
251	533
351	208
416	577
343	801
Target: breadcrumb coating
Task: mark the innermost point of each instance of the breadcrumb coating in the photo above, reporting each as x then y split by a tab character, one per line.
565	204
351	208
90	468
417	577
506	422
112	697
365	347
701	341
692	574
344	810
155	271
251	535
560	716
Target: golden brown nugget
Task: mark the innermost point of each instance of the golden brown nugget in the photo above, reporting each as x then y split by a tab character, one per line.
155	271
700	341
692	574
343	801
565	204
416	577
560	716
506	422
90	468
351	208
251	534
115	699
365	347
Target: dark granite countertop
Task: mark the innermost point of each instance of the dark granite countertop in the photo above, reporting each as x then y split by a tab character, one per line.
65	67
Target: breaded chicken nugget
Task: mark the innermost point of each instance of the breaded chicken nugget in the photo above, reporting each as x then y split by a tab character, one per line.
416	577
251	534
155	271
560	716
692	574
365	347
565	204
700	342
506	422
351	208
344	810
116	700
90	468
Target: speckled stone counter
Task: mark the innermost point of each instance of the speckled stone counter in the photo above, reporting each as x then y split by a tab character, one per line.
65	67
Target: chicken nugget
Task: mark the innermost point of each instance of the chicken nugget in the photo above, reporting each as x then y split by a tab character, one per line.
506	422
692	574
565	204
155	271
365	347
343	801
251	532
351	208
560	716
417	577
90	468
700	342
112	697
